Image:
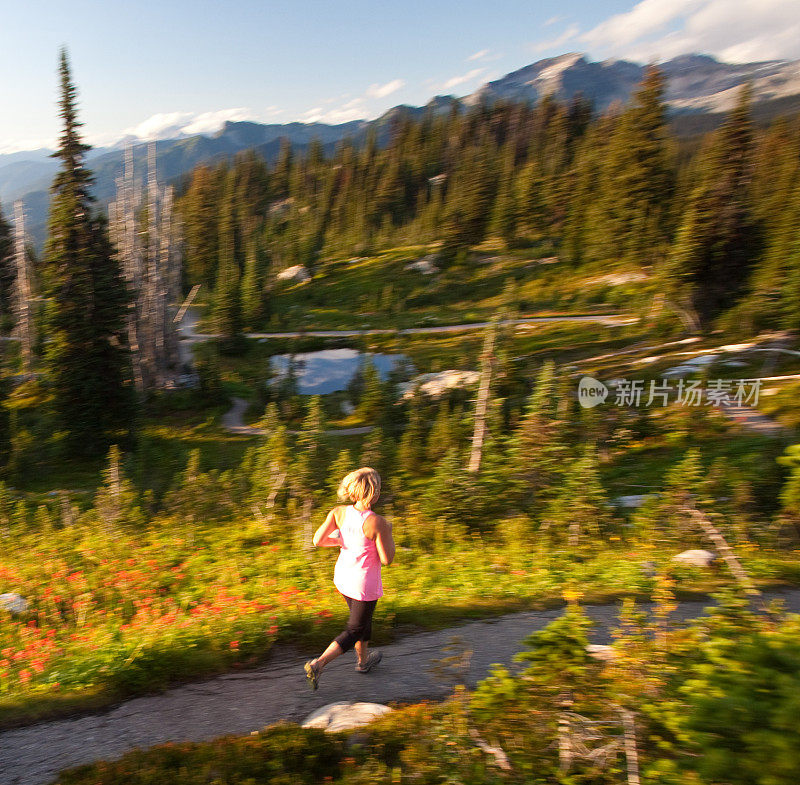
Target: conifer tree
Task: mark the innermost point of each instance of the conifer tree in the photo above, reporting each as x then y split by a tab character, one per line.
776	283
410	451
252	306
440	438
227	298
450	499
469	203
199	211
340	468
87	359
536	447
116	503
283	169
373	452
371	404
504	218
636	179
718	239
310	451
581	508
270	461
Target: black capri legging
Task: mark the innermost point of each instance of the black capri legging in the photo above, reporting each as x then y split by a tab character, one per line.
359	625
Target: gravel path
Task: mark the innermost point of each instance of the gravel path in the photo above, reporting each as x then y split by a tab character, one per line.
241	702
191	319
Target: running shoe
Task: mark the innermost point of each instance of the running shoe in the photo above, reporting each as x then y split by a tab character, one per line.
312	674
374	658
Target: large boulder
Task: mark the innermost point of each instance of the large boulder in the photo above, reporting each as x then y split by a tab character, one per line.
600	651
344	716
426	265
696	558
437	384
13	602
298	273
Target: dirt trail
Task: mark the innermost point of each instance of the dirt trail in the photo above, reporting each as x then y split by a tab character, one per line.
191	319
233	422
241	702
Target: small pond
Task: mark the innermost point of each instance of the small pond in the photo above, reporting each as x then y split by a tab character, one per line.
330	370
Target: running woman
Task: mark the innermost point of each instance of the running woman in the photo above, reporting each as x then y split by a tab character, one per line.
365	542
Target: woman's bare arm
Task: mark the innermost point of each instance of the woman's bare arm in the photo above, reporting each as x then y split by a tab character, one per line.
322	536
379	529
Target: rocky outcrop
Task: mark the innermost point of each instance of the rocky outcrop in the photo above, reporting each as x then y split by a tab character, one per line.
435	385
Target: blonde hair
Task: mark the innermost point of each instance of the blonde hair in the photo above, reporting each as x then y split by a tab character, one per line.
362	485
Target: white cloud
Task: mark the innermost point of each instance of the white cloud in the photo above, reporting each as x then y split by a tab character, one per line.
208	122
25	145
354	109
361	107
169	125
381	91
556	41
731	30
464	78
644	19
160	126
554	20
485	56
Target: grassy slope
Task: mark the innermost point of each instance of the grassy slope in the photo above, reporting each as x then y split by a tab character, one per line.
455	586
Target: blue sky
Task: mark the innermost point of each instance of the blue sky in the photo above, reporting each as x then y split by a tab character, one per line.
153	68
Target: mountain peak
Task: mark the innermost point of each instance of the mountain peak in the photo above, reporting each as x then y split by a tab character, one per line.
693	60
695	82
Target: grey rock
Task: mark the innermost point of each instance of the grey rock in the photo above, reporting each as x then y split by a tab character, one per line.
600	651
344	716
696	557
297	273
13	602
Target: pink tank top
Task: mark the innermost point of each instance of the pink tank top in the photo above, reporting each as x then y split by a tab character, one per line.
358	569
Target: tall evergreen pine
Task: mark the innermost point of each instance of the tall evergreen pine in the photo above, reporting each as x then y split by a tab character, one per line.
718	238
87	357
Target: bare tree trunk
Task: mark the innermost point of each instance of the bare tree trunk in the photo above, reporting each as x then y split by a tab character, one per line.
151	262
725	550
24	327
482	404
186	303
631	751
566	751
122	215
